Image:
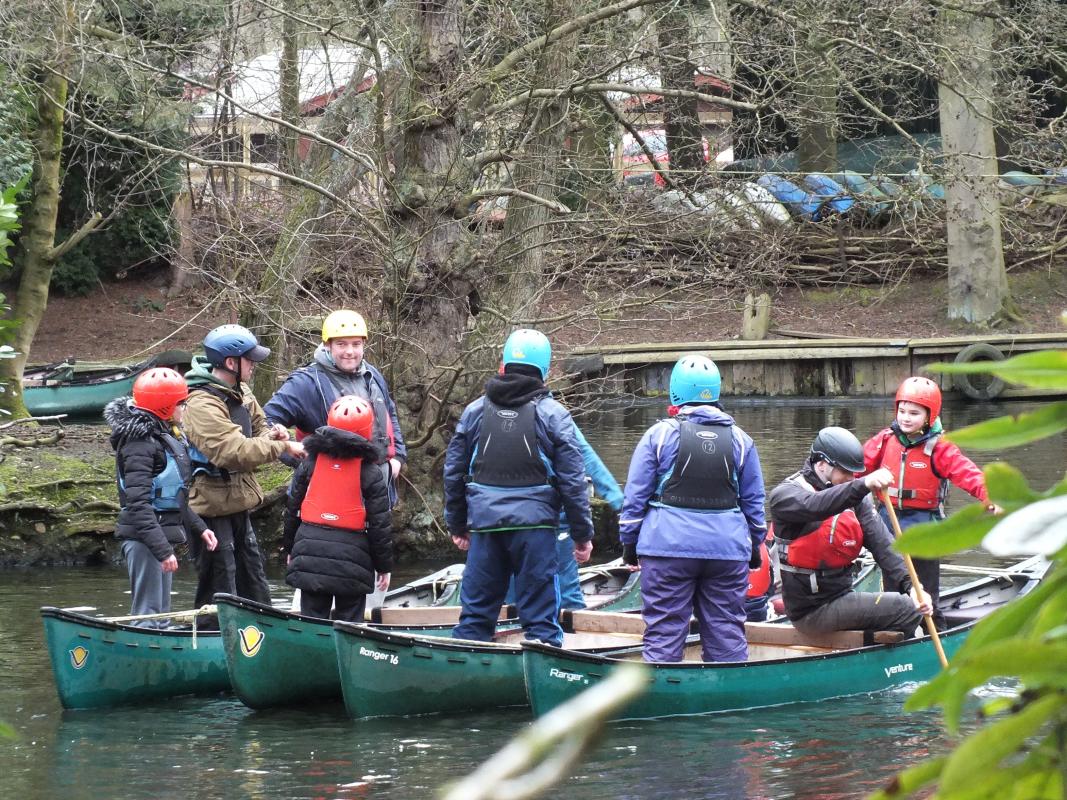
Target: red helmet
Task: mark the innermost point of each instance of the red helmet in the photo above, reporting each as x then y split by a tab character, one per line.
923	392
158	391
352	414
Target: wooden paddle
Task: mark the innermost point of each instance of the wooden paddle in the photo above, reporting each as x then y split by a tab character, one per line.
928	618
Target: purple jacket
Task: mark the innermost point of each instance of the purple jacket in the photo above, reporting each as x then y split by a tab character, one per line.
685	533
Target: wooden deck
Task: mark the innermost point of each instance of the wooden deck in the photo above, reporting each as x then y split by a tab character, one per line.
794	367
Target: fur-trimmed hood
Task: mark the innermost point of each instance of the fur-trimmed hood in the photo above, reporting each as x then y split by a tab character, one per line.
337	443
130	422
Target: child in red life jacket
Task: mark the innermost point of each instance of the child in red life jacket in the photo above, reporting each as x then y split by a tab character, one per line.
923	465
338	530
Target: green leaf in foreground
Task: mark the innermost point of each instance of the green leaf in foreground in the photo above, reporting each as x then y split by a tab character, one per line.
1041	369
980	755
1039	528
1004	432
963	530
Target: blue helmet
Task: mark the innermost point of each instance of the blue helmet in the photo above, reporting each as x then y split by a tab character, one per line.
695	379
530	347
233	341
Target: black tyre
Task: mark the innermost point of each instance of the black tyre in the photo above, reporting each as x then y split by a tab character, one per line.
980	386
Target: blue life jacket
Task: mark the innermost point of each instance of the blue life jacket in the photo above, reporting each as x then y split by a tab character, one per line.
169	484
704	476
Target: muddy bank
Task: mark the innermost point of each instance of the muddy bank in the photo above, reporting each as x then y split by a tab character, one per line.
58	503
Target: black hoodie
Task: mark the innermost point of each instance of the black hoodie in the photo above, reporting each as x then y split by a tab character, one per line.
333	560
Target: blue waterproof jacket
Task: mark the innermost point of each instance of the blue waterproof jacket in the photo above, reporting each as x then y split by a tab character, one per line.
304	400
661	530
604	483
474	507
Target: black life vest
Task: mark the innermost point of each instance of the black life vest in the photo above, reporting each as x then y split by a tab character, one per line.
239	416
334	496
704	474
507	453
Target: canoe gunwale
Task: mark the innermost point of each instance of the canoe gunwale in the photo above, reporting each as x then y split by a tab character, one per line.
263	609
102	624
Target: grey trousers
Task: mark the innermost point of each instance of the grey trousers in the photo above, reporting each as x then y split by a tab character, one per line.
863	611
149	584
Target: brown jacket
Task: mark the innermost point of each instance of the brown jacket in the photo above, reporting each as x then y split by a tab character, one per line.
208	426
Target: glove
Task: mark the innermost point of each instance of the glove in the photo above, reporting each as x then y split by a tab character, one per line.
756	561
629	554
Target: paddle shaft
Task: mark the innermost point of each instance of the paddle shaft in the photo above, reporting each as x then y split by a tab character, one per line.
928	618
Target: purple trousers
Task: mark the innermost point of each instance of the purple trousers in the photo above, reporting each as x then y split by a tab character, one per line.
674	588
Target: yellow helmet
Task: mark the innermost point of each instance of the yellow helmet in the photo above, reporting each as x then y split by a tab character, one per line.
343	323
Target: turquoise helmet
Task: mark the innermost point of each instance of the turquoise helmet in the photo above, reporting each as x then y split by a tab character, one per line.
695	379
530	347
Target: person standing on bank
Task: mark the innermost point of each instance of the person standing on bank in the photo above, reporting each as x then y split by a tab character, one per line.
338	529
924	465
152	471
512	463
229	437
823	516
339	369
693	515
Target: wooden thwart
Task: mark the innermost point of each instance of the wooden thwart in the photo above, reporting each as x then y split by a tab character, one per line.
426	615
772	633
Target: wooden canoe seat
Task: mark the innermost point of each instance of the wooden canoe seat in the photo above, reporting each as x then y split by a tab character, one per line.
786	635
426	615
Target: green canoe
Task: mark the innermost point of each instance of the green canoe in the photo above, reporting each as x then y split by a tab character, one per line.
276	657
82	389
98	663
385	672
783	666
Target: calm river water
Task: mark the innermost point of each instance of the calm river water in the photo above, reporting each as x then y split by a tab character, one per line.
210	748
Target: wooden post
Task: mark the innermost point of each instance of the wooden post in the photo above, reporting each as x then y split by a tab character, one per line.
757	318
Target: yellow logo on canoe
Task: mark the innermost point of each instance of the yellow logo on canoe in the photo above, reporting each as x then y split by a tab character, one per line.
251	640
78	656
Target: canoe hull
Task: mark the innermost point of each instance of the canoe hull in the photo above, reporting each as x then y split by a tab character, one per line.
98	664
77	400
383	674
554	676
278	658
274	658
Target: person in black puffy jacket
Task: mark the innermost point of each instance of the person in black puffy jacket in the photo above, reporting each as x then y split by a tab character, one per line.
152	471
338	528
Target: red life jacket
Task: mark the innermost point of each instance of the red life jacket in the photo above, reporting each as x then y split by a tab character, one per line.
759	580
334	497
835	544
917	483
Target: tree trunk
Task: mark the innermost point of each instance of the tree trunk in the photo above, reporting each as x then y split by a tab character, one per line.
289	90
519	277
39	229
431	274
816	98
681	119
977	279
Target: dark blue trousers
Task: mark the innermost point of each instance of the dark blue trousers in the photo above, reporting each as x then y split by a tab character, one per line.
674	588
493	558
